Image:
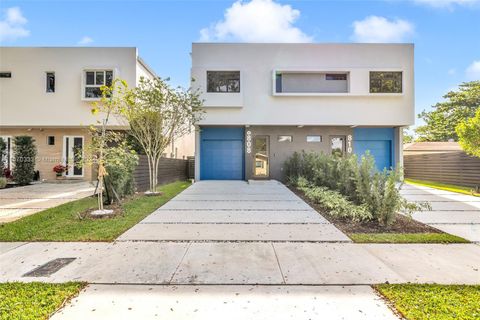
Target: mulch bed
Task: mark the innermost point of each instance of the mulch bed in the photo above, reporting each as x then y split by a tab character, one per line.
402	224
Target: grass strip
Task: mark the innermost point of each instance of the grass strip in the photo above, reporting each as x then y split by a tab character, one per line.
63	223
35	300
433	301
405	238
443	186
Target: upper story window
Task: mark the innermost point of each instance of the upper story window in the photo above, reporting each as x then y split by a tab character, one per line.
223	81
336	76
5	74
50	81
310	82
385	82
94	80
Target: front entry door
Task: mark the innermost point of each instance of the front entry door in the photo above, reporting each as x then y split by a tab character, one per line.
72	154
261	162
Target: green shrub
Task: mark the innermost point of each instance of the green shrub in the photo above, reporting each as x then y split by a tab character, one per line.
24	159
121	162
336	204
3	154
3	182
358	181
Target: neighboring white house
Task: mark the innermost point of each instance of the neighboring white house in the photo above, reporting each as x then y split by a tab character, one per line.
265	101
47	93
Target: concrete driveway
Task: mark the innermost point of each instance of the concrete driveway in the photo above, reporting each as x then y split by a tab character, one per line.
454	213
235	211
23	201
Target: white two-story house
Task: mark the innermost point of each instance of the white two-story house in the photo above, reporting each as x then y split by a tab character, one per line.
265	101
47	93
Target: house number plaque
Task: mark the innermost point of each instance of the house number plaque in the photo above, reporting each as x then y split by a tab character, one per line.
249	141
349	143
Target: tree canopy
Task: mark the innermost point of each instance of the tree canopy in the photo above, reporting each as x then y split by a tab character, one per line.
469	135
441	122
158	114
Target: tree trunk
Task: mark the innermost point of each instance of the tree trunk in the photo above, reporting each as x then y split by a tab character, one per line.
150	172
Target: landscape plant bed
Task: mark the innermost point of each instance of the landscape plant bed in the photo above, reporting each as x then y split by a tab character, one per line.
71	221
403	230
35	300
432	301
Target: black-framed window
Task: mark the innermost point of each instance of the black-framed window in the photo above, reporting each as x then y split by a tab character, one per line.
94	80
385	82
51	140
4	74
50	81
223	81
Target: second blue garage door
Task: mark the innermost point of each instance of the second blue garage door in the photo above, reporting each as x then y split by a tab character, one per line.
378	141
221	154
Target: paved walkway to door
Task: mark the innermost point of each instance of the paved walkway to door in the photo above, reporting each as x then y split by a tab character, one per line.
454	213
236	211
23	201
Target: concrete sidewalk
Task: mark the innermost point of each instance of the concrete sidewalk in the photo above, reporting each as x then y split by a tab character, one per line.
18	202
453	213
226	302
234	263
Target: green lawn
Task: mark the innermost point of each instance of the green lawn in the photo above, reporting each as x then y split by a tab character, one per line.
405	238
433	302
443	186
62	223
35	300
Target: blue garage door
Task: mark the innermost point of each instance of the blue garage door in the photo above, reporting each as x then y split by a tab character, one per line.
221	154
379	149
379	141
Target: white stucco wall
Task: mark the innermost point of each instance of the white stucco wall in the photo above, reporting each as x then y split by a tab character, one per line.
256	104
23	100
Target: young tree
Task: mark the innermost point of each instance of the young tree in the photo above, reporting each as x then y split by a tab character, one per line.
158	114
469	135
445	116
103	150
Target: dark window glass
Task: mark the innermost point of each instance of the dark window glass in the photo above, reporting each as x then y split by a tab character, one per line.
77	156
336	76
51	140
93	92
223	81
5	74
90	77
278	82
108	78
50	82
99	78
385	82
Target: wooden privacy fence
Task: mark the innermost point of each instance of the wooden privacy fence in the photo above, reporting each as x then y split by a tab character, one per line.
169	170
447	167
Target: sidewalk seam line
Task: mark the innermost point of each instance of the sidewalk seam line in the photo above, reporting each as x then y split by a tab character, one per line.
181	260
278	263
